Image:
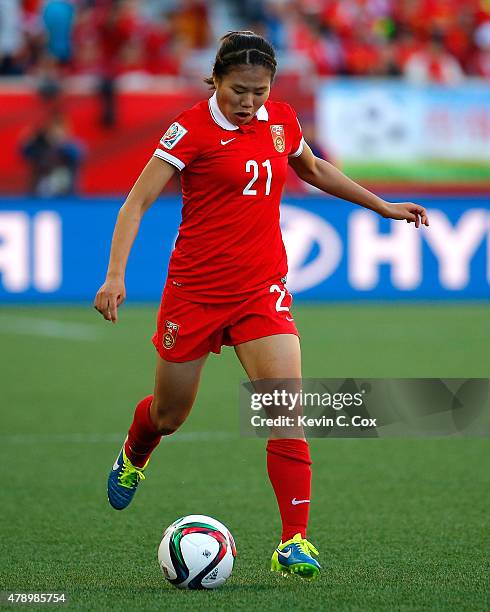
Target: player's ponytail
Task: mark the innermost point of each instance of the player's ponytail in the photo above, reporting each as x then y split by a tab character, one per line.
242	48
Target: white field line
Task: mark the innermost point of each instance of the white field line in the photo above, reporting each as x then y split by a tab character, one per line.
48	328
87	438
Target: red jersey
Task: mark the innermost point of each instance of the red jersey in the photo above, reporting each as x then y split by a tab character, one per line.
229	243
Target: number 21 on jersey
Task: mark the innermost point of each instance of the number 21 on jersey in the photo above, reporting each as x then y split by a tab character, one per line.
252	167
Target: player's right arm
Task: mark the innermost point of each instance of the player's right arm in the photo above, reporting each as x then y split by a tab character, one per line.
145	191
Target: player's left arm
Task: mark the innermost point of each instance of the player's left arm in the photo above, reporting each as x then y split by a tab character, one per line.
325	176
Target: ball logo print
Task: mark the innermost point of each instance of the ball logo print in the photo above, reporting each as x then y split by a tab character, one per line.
197	552
170	335
278	138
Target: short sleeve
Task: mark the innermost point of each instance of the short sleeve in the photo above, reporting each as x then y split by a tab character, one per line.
296	135
297	141
178	145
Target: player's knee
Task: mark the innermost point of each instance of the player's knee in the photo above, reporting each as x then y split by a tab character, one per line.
168	420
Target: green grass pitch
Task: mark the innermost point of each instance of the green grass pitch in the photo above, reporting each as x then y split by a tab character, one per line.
400	524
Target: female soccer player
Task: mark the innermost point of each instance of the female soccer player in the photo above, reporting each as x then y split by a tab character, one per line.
227	273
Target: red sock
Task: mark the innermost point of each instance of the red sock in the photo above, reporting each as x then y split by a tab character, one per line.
142	436
288	465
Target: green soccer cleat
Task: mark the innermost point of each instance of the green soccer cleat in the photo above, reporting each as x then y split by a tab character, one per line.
294	557
123	481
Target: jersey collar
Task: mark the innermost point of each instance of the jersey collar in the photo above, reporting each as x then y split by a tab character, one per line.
222	121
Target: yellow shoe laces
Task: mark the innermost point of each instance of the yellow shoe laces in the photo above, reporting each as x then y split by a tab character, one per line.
305	546
130	475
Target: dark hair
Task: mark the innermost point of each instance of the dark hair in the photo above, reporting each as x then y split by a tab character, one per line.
239	49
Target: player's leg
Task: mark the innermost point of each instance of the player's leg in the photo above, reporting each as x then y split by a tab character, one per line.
166	410
155	416
278	358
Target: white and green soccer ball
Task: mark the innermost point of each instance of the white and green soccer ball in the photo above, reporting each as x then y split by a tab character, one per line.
197	552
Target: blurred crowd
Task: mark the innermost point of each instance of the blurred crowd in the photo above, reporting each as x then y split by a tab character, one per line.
426	40
108	37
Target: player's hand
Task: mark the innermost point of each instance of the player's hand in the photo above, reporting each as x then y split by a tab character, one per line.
412	213
111	295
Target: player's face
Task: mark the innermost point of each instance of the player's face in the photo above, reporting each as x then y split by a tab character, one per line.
242	91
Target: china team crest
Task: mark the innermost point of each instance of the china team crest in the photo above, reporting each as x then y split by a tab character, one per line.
278	138
170	335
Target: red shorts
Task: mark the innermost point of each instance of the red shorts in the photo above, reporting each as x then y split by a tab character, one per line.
188	330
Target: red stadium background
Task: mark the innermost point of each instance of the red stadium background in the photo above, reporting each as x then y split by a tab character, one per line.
168	48
113	157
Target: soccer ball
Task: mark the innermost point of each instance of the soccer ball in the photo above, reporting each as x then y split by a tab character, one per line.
197	552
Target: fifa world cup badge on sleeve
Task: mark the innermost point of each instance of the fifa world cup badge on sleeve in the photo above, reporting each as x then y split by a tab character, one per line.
172	136
170	334
278	138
